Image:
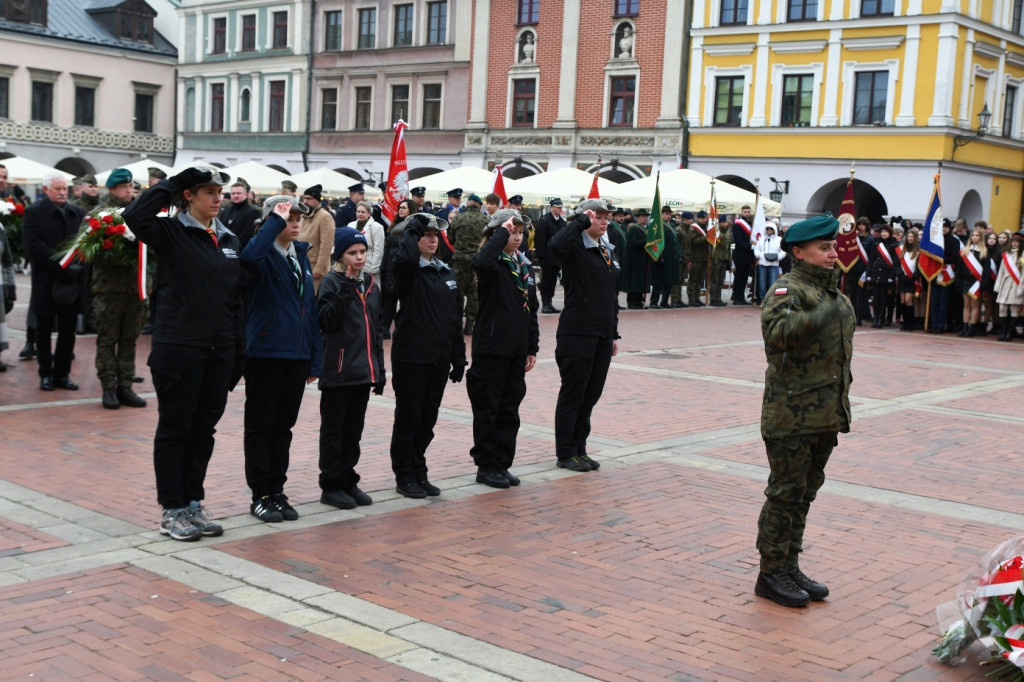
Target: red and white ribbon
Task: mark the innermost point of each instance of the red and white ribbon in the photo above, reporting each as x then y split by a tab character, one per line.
143	253
909	264
886	256
73	251
1011	266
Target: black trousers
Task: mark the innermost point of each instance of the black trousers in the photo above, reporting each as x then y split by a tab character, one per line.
191	390
548	279
55	363
879	300
496	386
273	395
739	282
342	415
583	363
418	393
858	294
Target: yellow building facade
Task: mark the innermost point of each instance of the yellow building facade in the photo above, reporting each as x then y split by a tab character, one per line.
796	90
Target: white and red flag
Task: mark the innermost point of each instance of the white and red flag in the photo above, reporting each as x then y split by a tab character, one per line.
398	175
499	186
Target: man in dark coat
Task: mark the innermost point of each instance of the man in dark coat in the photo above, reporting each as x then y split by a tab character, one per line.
548	227
742	255
58	294
347	211
239	215
635	277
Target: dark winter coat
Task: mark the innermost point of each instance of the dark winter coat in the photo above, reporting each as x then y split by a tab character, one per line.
503	326
46	226
352	339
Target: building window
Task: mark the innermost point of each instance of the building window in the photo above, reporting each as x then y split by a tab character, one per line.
432	106
24	12
245	105
1008	107
329	109
399	103
803	10
869	97
217	108
529	12
249	33
878	8
524	102
5	85
280	30
42	101
627	8
364	100
403	25
135	27
144	112
797	93
276	107
85	106
220	36
332	31
1015	22
728	101
437	22
367	29
623	96
733	12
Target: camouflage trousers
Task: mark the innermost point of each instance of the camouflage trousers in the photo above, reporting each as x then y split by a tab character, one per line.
797	472
677	289
118	319
717	282
466	279
698	275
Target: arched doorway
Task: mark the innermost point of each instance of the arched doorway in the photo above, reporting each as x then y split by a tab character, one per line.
868	201
349	172
75	165
422	172
737	181
518	169
971	209
279	169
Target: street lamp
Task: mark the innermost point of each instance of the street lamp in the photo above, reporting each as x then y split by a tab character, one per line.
781	187
984	118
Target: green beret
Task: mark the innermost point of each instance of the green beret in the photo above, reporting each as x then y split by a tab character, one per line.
474	197
818	227
118	176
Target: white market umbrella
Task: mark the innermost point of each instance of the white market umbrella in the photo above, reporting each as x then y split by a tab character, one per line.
333	182
688	190
469	179
139	170
262	179
22	171
571	185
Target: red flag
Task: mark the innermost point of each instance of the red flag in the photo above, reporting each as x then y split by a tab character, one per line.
847	246
712	234
594	192
499	185
398	175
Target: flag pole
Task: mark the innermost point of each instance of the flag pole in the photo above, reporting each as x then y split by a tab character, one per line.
707	270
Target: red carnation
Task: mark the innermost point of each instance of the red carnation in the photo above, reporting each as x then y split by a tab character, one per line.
117	229
108	219
19	210
108	244
94	224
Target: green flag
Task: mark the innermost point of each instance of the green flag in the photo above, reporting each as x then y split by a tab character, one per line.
656	228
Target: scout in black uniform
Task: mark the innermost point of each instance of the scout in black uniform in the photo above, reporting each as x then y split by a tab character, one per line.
587	328
505	343
198	340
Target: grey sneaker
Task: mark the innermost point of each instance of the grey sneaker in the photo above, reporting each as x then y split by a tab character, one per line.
178	525
202	520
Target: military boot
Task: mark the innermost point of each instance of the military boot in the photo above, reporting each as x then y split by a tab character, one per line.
110	400
815	590
781	589
126	396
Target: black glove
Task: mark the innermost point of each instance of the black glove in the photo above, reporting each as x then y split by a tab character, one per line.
457	373
582	222
417	224
189	178
378	388
74	270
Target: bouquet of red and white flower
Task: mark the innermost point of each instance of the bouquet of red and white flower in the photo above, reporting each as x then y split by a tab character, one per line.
105	240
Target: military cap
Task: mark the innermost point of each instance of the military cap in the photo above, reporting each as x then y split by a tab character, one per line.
556	202
502	215
136	186
596	205
428	221
641	211
702	214
88	179
358	187
296	205
516	199
474	197
314	192
818	227
155	172
687	215
217	176
418	192
118	176
245	183
382	186
285	184
457	192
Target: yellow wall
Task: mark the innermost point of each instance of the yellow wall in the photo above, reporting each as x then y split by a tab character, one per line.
1006	205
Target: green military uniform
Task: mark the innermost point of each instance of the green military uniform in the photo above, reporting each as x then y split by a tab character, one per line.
467	231
698	247
721	259
683	239
807	325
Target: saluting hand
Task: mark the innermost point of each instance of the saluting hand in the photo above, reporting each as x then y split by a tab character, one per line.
283	209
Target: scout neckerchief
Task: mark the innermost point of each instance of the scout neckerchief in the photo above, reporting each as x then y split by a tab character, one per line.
520	274
297	271
213	235
604	254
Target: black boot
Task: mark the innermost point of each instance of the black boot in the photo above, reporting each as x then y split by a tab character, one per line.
29	351
907	318
1012	324
781	589
815	590
1006	328
969	330
964	329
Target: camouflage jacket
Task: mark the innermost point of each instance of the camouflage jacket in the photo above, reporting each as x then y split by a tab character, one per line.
698	246
468	229
807	325
722	255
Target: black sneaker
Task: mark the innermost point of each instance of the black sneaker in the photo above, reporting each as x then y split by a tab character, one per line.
412	491
265	509
594	464
492	478
287	511
361	498
429	488
574	463
338	498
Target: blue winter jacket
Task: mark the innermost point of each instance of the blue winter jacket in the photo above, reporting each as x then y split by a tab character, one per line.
280	323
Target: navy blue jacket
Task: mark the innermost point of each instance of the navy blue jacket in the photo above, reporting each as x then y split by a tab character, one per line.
280	323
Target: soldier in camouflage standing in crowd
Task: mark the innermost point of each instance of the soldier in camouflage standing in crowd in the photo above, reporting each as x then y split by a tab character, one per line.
807	324
467	231
117	310
721	260
683	232
698	250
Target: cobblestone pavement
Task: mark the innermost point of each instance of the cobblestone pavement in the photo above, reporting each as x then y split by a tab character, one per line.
643	570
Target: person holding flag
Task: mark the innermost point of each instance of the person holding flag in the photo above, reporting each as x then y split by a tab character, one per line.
930	262
702	239
397	187
663	250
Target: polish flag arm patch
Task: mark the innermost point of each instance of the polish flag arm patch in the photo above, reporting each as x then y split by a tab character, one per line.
781	291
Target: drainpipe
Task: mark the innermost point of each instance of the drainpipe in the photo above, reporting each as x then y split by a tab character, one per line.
684	84
309	83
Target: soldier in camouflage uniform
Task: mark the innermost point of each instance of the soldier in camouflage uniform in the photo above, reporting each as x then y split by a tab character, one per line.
698	249
467	230
85	190
683	233
807	324
721	259
117	311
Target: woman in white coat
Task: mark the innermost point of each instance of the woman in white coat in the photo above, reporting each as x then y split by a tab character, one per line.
769	254
374	233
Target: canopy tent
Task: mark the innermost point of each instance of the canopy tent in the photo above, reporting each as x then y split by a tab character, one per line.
139	170
22	171
688	190
571	185
332	182
261	178
469	179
